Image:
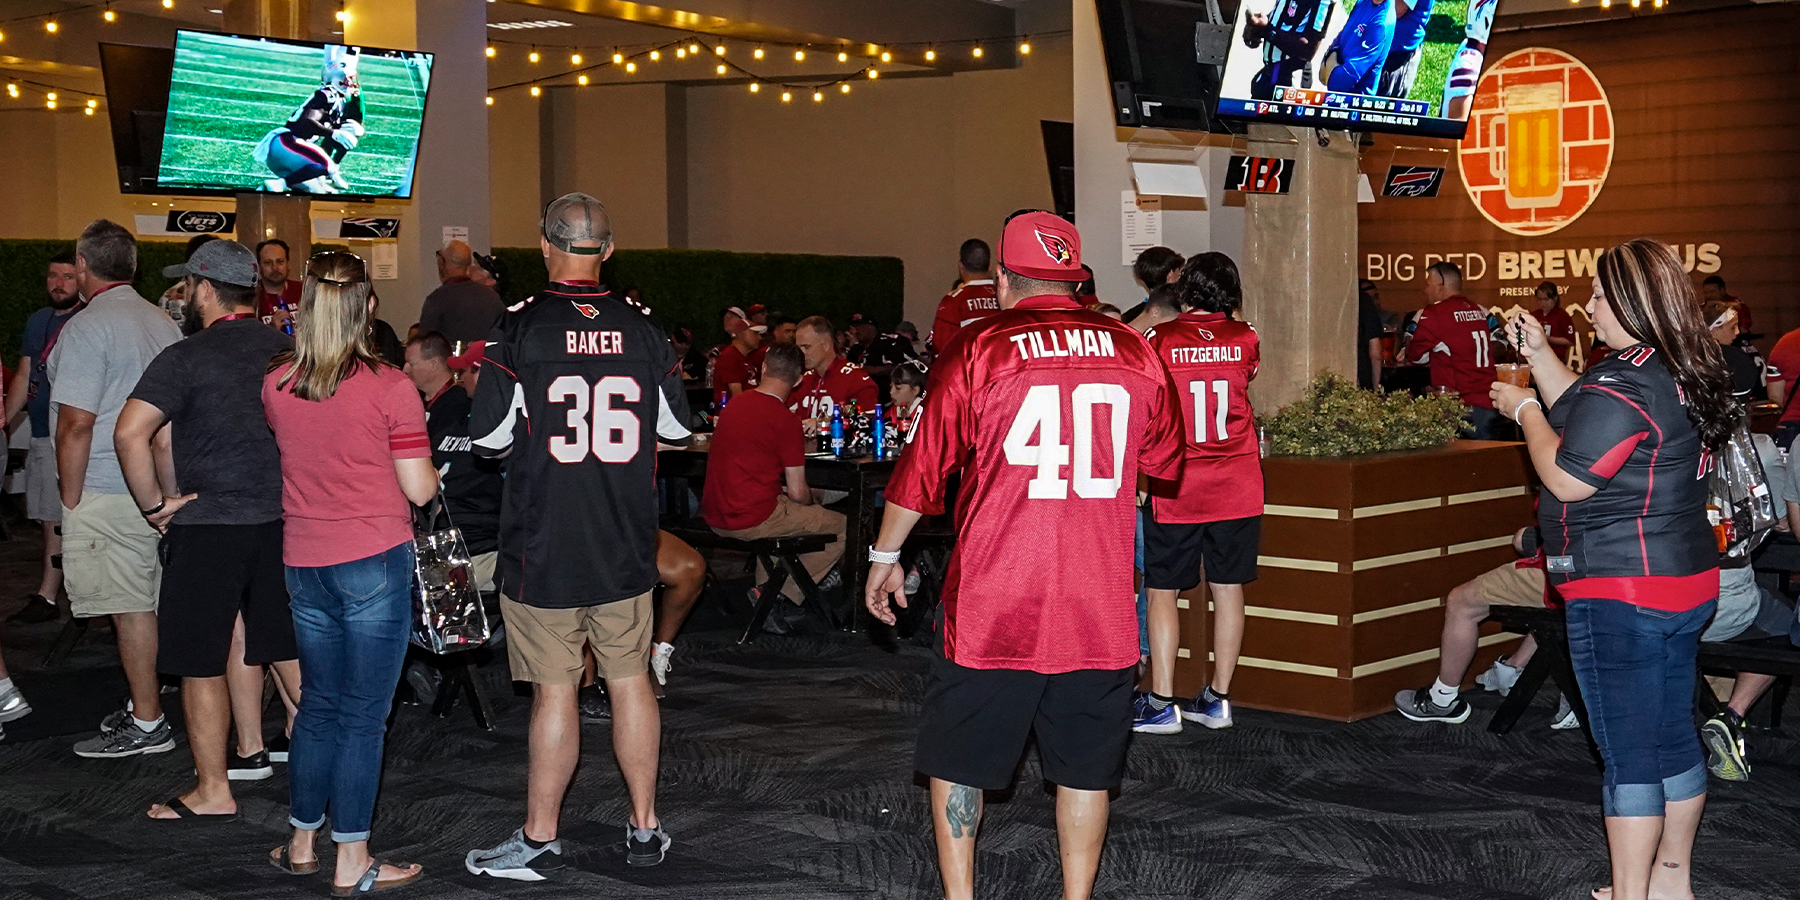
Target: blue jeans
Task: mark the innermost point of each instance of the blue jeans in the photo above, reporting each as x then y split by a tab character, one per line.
351	623
1483	424
1635	666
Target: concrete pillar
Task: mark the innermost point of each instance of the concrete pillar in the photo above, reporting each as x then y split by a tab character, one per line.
450	184
264	216
1299	264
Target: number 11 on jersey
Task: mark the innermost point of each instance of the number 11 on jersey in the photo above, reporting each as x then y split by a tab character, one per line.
1220	390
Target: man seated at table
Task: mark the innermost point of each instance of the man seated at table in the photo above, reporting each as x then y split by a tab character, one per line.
735	369
756	471
830	380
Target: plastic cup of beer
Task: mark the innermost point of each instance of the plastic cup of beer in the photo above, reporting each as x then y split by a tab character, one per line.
1515	374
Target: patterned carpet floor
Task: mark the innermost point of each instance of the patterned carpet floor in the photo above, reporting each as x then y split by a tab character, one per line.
786	773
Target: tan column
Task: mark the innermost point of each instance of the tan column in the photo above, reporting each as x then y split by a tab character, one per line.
1299	265
264	216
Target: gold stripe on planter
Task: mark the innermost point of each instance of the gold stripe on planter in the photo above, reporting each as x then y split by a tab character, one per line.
1363	565
1304	565
1290	615
1495	494
1398	662
1299	512
1388	509
1282	666
1392	611
1485	544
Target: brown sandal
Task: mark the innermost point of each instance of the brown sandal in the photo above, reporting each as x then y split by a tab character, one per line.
371	882
281	860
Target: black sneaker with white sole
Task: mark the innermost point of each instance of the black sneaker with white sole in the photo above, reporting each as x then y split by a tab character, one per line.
1723	735
646	846
254	767
278	747
1418	706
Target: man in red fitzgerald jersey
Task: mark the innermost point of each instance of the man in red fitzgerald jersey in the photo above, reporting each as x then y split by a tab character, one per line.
1453	335
972	301
1212	514
1050	412
830	380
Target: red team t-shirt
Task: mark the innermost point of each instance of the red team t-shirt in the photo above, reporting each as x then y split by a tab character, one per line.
1558	324
756	439
733	367
1453	336
963	307
1050	412
844	381
1213	359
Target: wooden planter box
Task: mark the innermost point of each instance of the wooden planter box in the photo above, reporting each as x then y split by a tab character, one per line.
1357	556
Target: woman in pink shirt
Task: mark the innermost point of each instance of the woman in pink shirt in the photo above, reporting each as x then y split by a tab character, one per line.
354	459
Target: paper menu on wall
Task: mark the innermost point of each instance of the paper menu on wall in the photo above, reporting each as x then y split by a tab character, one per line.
384	258
1140	224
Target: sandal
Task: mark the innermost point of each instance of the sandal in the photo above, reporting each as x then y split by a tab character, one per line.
283	861
371	882
183	813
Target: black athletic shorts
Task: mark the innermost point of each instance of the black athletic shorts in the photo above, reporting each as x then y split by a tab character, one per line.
975	724
211	574
1175	552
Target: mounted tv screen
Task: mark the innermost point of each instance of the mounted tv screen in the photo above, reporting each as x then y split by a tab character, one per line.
292	117
1163	62
1362	65
137	99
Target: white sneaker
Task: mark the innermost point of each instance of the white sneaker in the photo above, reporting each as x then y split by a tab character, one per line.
1565	717
13	705
913	582
1499	678
660	655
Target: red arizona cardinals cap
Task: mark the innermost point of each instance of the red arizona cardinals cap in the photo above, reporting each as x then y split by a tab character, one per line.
1042	245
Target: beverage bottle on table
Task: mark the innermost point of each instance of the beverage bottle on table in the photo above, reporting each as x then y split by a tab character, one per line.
837	432
879	445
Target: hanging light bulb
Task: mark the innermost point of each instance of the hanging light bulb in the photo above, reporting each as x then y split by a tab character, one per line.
536	91
630	67
843	57
12	90
874	73
168	4
976	52
655	55
490	100
1025	47
618	57
534	57
681	53
799	55
491	52
719	50
754	87
50	103
51	26
886	56
844	88
93	104
694	47
581	80
786	96
758	53
108	14
88	112
818	96
574	59
930	54
343	15
721	69
50	96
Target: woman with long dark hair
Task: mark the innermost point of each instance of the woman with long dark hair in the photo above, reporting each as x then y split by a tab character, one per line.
1622	452
354	458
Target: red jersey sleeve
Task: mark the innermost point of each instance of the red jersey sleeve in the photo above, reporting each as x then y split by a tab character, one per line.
1424	337
940	437
1161	453
948	321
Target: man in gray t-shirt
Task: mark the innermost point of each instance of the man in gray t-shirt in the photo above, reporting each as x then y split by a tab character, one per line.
460	309
110	564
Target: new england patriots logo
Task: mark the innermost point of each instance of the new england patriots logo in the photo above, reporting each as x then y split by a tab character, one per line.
587	310
1055	247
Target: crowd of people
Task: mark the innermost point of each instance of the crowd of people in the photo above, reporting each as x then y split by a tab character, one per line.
236	476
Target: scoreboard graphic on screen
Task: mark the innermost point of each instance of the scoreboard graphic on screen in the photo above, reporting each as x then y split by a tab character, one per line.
1540	141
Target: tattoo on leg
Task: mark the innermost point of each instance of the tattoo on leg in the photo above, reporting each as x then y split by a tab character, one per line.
1671	865
962	810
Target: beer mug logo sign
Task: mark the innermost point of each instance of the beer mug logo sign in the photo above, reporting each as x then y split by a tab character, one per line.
1540	141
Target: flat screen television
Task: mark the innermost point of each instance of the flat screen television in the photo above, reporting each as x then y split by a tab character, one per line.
137	99
1164	59
1363	65
292	117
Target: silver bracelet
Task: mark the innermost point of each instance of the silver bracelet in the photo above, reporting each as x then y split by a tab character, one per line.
1521	407
877	556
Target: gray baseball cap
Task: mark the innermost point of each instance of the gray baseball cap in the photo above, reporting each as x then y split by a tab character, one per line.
225	261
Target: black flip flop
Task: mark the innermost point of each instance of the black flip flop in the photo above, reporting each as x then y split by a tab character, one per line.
283	861
371	882
184	814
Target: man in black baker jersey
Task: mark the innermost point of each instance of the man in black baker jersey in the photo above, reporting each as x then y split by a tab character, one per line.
578	387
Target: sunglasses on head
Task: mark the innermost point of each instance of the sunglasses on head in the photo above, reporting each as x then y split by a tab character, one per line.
319	262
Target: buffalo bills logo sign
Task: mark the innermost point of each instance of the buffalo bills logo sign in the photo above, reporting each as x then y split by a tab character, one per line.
1056	247
587	310
1412	181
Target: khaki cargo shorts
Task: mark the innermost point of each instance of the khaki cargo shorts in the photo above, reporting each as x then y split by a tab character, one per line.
544	646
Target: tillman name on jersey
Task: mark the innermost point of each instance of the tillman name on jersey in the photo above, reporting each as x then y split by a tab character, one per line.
595	343
1199	355
1067	342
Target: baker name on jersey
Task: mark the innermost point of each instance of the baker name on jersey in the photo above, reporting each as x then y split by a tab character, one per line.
1069	342
595	343
453	444
1192	355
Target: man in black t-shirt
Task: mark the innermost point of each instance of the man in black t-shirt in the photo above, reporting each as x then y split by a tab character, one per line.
472	485
578	388
221	545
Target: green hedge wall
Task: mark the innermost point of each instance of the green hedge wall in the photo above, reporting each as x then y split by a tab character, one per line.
691	288
686	287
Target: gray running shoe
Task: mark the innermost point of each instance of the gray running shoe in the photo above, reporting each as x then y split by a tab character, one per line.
645	846
13	705
515	859
117	717
127	740
1417	706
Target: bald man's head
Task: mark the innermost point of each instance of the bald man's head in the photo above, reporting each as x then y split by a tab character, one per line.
454	260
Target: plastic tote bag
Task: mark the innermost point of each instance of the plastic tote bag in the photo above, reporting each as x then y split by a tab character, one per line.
1741	505
447	611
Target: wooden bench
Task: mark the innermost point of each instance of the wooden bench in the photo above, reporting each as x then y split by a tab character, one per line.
1771	656
780	557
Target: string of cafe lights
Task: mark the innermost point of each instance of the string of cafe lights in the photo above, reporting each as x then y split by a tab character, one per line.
724	61
53	96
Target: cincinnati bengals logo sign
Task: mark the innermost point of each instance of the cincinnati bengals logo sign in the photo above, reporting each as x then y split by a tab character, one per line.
1055	247
1540	141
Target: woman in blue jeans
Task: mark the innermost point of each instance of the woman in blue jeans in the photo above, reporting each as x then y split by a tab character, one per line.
1622	451
354	459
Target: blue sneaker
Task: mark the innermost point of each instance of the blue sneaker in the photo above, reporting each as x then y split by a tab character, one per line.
1147	720
1209	709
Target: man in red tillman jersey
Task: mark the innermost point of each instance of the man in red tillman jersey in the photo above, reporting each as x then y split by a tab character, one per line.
1050	412
1454	336
972	301
1213	514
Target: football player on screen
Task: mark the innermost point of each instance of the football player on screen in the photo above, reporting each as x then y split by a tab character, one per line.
1289	35
304	154
1465	66
1361	48
1402	65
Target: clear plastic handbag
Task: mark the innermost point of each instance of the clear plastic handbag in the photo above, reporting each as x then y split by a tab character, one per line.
1740	505
447	611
